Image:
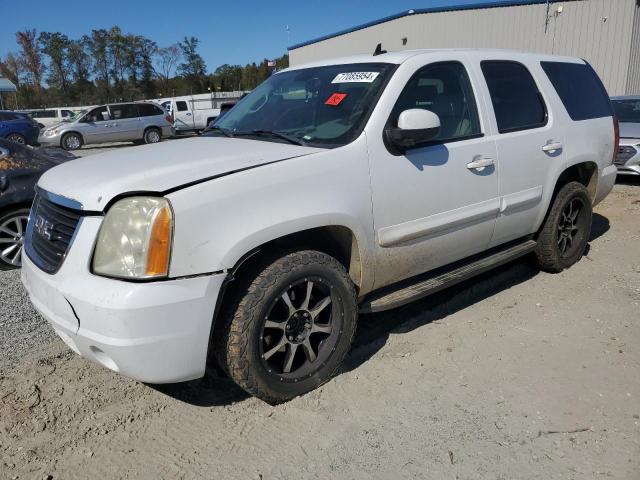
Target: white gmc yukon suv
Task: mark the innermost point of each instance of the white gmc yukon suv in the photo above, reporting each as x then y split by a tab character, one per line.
338	187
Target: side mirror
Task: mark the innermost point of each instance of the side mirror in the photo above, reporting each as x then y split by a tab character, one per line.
415	126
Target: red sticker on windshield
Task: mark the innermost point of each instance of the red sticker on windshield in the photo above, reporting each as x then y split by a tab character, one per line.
335	99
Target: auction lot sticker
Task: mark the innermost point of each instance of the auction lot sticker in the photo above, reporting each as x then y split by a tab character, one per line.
356	77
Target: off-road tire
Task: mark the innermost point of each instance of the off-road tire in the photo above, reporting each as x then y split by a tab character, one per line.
237	336
548	255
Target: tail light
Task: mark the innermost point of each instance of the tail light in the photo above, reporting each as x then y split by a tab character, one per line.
616	133
169	118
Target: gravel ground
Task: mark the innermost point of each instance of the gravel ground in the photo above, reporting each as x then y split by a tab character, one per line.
517	374
21	328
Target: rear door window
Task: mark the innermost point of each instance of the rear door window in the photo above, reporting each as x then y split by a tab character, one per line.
517	102
580	90
149	110
44	114
182	106
123	111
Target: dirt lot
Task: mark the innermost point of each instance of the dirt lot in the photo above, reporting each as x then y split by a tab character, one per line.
519	374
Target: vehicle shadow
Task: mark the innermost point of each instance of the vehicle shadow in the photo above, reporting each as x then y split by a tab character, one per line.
375	329
628	180
212	390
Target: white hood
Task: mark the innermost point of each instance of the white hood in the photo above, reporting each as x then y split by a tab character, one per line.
95	180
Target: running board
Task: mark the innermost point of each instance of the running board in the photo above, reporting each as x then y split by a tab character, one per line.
403	293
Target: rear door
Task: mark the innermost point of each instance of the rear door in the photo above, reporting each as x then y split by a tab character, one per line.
183	116
529	142
125	123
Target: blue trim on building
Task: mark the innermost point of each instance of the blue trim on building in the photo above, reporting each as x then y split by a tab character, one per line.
450	8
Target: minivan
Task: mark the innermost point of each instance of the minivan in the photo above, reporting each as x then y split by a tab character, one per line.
139	122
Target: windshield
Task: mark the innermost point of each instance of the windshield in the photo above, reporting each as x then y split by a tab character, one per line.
321	106
75	116
627	111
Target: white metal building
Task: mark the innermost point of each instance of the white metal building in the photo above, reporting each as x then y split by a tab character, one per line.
606	33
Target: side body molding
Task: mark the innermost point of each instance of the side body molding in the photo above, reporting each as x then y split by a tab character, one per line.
438	224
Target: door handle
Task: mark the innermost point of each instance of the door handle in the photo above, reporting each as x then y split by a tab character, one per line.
188	114
552	147
480	163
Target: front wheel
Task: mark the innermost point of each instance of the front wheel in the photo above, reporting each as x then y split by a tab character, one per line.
17	138
13	226
71	141
566	230
289	327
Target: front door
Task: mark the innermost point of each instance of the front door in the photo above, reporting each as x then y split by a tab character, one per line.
434	204
183	117
94	126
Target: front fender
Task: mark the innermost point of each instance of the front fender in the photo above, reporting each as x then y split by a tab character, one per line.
218	222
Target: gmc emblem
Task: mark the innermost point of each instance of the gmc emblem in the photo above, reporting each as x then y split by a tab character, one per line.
43	227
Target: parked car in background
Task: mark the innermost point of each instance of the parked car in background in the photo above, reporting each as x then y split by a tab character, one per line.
351	185
139	122
190	115
20	169
627	110
50	116
18	128
628	158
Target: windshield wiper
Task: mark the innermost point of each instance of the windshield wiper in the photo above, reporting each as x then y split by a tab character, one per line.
285	136
226	132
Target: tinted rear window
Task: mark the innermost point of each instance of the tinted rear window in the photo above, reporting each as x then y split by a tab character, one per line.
580	90
149	110
127	110
627	111
516	99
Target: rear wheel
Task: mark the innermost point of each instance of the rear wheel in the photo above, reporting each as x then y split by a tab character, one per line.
152	135
17	138
13	226
71	141
289	327
566	230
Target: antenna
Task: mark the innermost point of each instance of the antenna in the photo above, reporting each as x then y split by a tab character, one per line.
547	17
379	50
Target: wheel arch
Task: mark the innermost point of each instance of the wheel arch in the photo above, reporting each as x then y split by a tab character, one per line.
338	241
14	206
585	173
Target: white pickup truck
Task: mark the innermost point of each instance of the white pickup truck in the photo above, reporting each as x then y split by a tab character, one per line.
338	187
191	115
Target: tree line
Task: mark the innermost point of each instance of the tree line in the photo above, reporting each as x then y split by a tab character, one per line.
51	69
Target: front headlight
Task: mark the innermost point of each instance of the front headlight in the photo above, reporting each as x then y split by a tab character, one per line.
50	133
135	237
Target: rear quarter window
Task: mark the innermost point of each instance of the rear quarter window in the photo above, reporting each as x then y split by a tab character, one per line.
580	89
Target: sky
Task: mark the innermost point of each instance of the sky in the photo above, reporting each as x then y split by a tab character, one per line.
240	32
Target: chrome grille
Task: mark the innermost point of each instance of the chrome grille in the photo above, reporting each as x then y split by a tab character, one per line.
49	232
625	152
